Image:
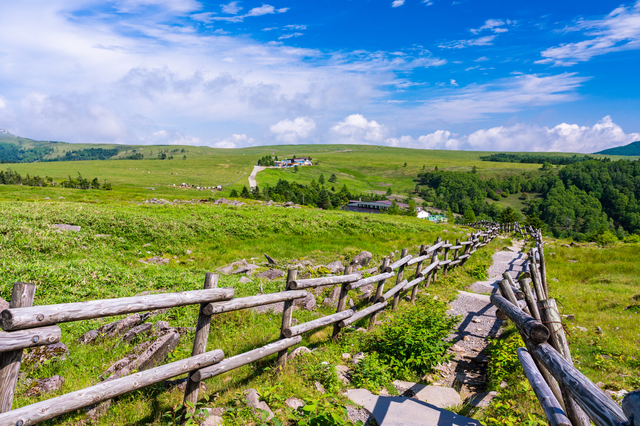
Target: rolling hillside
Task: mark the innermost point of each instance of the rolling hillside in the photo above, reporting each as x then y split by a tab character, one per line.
633	149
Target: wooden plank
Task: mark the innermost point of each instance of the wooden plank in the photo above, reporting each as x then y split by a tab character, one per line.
22	296
54	407
21	339
550	405
399	263
320	322
601	409
533	329
234	362
38	316
363	313
322	281
253	301
287	314
436	246
199	344
392	292
370	280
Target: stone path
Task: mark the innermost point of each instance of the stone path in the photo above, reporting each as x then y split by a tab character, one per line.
252	176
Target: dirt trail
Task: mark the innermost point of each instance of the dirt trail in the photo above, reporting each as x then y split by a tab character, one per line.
468	371
252	176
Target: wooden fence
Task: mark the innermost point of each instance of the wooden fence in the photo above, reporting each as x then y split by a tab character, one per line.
568	397
27	326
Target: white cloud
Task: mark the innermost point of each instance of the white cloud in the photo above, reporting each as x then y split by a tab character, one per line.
286	36
292	131
618	31
235	141
165	137
427	2
397	3
296	27
526	137
178	6
265	9
461	44
231	8
495	25
453	83
357	129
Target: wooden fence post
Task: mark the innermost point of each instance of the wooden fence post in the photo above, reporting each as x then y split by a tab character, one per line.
433	275
455	253
543	267
342	303
287	313
379	291
446	257
199	346
21	297
396	297
414	290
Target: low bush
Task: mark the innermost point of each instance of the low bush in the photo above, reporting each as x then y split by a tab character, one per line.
371	374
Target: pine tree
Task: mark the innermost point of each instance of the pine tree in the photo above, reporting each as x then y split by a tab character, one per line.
321	179
389	191
233	194
333	178
411	210
245	192
469	215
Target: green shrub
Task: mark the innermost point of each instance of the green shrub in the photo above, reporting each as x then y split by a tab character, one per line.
504	359
632	239
371	374
325	411
605	238
324	373
414	340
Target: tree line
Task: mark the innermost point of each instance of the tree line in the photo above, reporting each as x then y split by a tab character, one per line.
10	177
535	159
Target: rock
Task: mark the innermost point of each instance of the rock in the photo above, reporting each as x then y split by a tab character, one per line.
154	260
465	338
476	320
482	399
161	325
3	304
333	298
188	252
146	245
346	356
371	271
503	385
441	397
154	354
298	351
571	317
335	267
244	280
47	385
598	330
319	387
88	337
572	261
362	259
270	259
137	331
400	411
457	348
308	303
581	328
361	330
112	329
357	358
212	419
294	403
367	289
35	357
271	274
247	269
253	400
554	280
343	374
66	227
225	269
600	385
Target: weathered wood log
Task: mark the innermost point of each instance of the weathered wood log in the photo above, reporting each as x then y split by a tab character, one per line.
533	329
436	246
528	295
342	304
396	297
413	283
370	280
245	358
454	262
428	269
199	344
466	243
414	289
38	316
362	314
507	293
395	265
48	409
21	339
253	301
379	290
551	319
518	293
444	263
418	259
631	407
389	294
543	267
535	277
287	314
550	405
22	296
322	281
601	409
320	322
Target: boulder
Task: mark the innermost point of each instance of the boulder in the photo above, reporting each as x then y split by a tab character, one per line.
308	303
246	269
362	259
271	274
343	374
299	351
357	358
253	400
333	298
244	280
335	267
225	269
50	384
35	357
136	331
294	403
213	419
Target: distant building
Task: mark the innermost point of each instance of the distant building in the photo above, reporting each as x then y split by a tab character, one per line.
423	214
295	161
437	218
376	206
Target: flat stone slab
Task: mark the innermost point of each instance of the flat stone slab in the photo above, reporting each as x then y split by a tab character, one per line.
399	411
439	396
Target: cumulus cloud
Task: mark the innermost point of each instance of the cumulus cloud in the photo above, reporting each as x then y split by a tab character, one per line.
292	131
286	36
168	137
357	129
495	25
397	3
235	141
231	8
526	137
618	31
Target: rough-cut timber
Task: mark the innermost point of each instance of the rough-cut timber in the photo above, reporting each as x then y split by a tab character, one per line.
435	247
507	292
318	282
22	296
370	280
396	297
601	409
252	301
418	259
399	263
17	340
287	315
342	304
41	411
631	407
431	267
379	290
363	313
320	322
533	329
516	291
38	316
550	405
528	296
413	283
392	292
234	362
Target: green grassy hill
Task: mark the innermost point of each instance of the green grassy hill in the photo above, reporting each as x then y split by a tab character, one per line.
632	149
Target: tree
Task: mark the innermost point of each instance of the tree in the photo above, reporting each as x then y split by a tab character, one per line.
417	189
388	191
546	166
184	157
450	217
233	194
394	209
469	215
405	164
324	201
509	215
295	169
245	192
436	169
474	170
411	210
321	179
333	178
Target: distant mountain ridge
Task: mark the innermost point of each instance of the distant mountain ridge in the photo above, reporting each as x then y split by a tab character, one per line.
632	149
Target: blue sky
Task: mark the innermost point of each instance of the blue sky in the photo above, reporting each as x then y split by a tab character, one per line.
435	74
